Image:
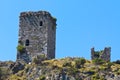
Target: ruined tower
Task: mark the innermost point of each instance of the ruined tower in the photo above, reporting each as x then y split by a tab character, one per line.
37	34
103	54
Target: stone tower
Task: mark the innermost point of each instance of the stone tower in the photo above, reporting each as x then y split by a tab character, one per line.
37	34
103	54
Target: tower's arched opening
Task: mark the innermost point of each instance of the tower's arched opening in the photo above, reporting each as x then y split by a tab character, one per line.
27	42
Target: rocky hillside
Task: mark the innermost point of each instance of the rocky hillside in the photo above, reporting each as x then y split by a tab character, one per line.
60	69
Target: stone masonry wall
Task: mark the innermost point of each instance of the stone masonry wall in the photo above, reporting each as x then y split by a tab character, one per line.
104	54
36	34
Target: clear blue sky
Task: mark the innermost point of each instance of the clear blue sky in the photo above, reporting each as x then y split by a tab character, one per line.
81	24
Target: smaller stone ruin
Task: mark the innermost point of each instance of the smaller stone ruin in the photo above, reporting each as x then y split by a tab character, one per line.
103	54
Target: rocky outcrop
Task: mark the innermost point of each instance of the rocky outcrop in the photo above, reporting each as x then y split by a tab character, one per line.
59	69
17	66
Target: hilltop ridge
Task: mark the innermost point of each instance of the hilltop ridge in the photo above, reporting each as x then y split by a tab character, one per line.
60	69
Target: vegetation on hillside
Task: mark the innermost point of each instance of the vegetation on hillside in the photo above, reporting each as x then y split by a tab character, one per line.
77	68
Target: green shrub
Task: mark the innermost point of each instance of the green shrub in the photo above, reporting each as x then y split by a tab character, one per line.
20	48
79	62
97	54
118	72
35	60
103	68
3	73
95	77
39	58
42	77
90	72
117	62
109	64
54	18
54	66
72	71
98	61
67	63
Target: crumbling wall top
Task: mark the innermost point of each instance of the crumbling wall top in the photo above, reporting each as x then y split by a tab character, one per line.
102	54
29	13
37	14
